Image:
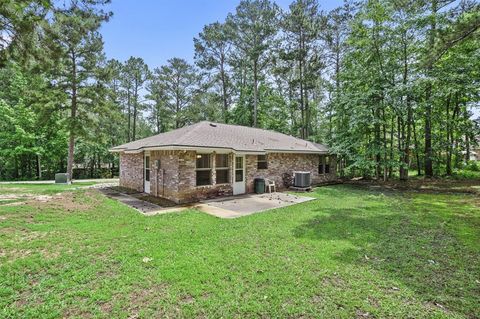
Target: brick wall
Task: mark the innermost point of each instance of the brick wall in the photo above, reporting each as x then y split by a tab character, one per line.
280	163
176	177
187	189
131	171
164	180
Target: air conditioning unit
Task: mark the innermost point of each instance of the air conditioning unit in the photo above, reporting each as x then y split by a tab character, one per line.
61	178
301	179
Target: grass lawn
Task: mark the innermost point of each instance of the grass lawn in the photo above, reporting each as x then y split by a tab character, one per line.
40	188
354	252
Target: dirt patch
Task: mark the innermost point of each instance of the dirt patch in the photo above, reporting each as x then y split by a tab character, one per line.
22	234
359	313
14	254
334	281
67	201
28	298
155	200
318	299
11	203
138	299
187	299
123	190
432	305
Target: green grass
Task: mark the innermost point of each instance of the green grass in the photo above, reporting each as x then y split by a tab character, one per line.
352	253
40	188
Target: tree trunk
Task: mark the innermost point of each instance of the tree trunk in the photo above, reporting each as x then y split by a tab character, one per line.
255	92
406	152
377	143
129	115
135	108
224	89
157	118
449	141
417	149
406	143
428	99
39	168
467	137
73	116
384	128
390	167
428	133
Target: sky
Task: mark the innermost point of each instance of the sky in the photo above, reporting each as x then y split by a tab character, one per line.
157	30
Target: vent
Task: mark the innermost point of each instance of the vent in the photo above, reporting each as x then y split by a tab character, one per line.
301	179
213	125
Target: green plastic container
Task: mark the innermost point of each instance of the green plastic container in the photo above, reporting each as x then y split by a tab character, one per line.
259	185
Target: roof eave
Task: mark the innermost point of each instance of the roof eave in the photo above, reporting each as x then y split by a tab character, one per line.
212	149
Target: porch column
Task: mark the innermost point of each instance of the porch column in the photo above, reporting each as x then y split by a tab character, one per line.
214	171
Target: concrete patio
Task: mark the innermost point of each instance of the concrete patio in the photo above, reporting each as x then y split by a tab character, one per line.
226	207
243	205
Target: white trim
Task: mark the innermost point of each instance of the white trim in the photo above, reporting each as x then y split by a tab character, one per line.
146	184
239	187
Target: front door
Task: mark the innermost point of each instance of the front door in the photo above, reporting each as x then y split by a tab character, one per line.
239	176
146	173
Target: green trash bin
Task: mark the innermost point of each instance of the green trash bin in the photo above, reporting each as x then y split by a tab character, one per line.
259	185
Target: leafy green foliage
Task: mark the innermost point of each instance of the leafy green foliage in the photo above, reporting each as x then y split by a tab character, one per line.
389	86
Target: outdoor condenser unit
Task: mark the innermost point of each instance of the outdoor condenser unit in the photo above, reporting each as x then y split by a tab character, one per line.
301	179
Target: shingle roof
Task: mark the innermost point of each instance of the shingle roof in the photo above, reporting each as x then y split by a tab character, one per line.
216	135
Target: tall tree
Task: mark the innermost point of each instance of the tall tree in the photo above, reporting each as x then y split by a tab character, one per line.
135	75
301	26
78	45
212	51
22	24
179	81
160	115
254	27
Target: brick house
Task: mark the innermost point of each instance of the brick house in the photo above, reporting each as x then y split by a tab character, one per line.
207	160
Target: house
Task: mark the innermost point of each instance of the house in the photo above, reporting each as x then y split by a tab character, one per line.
475	150
207	160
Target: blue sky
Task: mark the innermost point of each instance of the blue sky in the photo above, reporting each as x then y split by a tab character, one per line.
157	30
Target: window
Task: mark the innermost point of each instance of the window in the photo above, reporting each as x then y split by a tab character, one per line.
147	168
203	170
238	169
262	162
221	168
320	164
323	165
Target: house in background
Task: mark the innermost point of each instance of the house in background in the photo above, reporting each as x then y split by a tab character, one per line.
475	150
207	160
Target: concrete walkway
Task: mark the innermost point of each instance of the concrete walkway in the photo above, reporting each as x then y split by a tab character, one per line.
144	207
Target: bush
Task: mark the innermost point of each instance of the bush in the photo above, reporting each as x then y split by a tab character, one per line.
473	166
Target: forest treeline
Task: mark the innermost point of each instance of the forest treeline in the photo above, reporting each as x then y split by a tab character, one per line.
389	85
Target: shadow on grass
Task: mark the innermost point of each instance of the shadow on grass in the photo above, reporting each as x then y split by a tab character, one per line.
416	244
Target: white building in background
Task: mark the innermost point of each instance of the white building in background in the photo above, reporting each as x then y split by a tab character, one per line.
475	151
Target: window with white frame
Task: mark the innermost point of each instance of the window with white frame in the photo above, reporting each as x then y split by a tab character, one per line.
222	170
203	169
